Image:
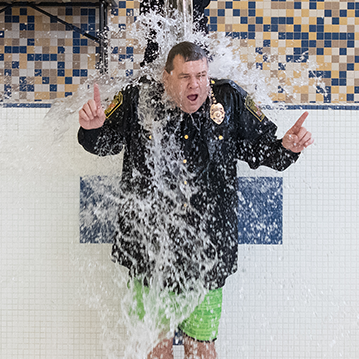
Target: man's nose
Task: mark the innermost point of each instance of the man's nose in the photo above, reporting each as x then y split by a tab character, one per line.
193	82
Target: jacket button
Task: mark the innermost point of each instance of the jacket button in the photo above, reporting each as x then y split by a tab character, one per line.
220	137
184	161
185	182
186	137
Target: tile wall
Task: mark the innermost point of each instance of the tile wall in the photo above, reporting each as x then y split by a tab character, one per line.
41	60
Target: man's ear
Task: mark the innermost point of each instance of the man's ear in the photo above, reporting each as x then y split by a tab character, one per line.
165	76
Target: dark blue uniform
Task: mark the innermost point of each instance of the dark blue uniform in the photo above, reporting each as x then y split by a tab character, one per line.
205	160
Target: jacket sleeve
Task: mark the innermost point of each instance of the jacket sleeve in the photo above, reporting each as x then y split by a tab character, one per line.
108	139
257	143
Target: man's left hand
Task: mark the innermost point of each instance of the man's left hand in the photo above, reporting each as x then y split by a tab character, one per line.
298	138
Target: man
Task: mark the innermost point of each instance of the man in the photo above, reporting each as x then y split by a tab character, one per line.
213	123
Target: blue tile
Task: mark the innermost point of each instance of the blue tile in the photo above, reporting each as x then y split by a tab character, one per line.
229	5
221	12
290	20
15	64
251	28
2	56
122	4
75	72
350	44
327	43
281	66
351	6
342	74
266	43
335	21
244	20
68	11
251	4
350	67
251	13
38	57
23	27
68	80
30	57
23	11
76	49
328	13
2	34
343	13
356	89
23	49
67	94
281	36
350	97
236	12
60	50
356	58
342	51
7	72
46	80
342	82
129	12
60	73
53	88
53	57
297	5
84	12
312	43
274	20
260	210
45	57
30	88
84	73
259	20
37	72
335	82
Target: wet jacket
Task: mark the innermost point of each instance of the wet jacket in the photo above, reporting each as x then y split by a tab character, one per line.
207	157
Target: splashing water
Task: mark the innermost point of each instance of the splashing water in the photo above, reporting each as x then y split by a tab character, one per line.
126	332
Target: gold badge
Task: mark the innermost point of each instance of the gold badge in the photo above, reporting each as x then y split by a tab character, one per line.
116	102
254	109
217	113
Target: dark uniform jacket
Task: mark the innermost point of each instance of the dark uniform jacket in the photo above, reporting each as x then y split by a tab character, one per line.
204	244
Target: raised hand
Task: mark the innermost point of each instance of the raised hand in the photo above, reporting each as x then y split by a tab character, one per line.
92	115
298	138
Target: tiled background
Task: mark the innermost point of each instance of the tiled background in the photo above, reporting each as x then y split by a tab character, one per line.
41	60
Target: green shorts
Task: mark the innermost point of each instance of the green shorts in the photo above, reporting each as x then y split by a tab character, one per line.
201	324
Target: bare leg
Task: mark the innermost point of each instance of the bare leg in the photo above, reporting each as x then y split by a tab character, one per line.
198	350
163	350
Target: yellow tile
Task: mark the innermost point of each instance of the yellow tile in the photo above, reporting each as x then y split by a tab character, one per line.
320	59
259	58
243	58
221	27
312	20
30	49
243	27
236	27
266	66
23	61
305	28
281	50
335	74
318	97
281	97
290	28
343	21
356	67
289	43
60	80
312	36
342	97
350	13
297	20
259	12
38	80
266	20
327	51
290	12
305	12
121	12
297	74
274	43
297	43
68	72
335	89
320	5
251	43
350	89
130	4
267	35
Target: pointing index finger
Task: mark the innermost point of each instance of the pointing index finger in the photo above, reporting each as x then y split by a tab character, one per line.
96	95
300	121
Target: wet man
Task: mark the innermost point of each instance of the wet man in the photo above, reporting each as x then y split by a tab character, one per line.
215	124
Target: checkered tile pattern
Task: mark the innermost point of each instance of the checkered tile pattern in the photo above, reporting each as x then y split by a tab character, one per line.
292	42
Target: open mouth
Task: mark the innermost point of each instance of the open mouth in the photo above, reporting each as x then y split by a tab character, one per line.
192	97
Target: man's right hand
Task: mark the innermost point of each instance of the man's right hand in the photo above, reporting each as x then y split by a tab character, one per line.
92	115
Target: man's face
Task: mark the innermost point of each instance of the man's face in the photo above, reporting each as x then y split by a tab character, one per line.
188	83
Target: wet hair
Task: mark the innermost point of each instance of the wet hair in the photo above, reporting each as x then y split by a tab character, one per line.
188	50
